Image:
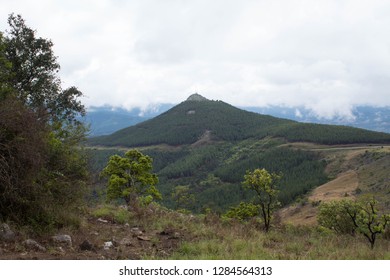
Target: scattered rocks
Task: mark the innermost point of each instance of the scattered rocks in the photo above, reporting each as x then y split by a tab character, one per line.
100	220
62	239
86	246
6	234
33	245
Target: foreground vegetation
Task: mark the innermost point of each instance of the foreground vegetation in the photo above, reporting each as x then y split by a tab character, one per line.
208	236
43	171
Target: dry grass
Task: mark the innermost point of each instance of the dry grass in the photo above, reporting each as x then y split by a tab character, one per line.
351	174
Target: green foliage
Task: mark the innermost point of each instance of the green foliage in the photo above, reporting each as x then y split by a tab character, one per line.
243	212
214	172
183	197
113	213
130	176
5	70
43	170
330	134
363	216
34	74
333	215
265	186
302	170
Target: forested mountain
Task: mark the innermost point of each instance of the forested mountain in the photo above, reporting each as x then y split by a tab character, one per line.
104	120
208	146
187	122
366	117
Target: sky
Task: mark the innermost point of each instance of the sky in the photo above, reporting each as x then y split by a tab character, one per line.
326	56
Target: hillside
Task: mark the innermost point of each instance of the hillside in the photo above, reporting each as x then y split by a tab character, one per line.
355	171
209	145
104	120
187	122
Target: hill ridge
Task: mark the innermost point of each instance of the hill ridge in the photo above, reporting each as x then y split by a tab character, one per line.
185	123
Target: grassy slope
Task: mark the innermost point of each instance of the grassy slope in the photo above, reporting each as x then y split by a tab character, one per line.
168	234
357	171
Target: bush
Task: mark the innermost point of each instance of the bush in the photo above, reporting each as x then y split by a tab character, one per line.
332	215
348	216
242	212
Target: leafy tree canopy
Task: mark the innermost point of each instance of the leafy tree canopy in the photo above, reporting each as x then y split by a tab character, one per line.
265	186
35	77
130	177
362	216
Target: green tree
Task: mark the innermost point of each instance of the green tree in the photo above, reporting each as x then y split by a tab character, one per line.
5	70
130	177
183	197
363	214
35	77
43	169
333	215
243	211
265	186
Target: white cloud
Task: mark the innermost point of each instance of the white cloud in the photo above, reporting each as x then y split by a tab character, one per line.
326	56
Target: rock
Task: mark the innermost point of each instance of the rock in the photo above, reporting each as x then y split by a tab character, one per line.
126	242
33	245
62	239
6	234
136	231
170	233
100	220
86	246
108	245
143	238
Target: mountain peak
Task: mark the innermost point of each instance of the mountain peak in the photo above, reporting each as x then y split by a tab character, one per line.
196	97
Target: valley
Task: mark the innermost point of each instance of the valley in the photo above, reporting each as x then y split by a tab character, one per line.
209	145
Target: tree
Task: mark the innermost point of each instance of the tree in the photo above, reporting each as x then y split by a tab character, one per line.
43	169
5	70
130	177
183	197
362	215
333	215
265	186
35	75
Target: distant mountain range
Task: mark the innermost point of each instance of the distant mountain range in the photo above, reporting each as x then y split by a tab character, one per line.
106	120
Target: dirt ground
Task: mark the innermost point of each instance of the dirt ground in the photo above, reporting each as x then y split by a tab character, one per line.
98	240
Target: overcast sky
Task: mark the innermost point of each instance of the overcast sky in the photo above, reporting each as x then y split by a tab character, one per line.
327	56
